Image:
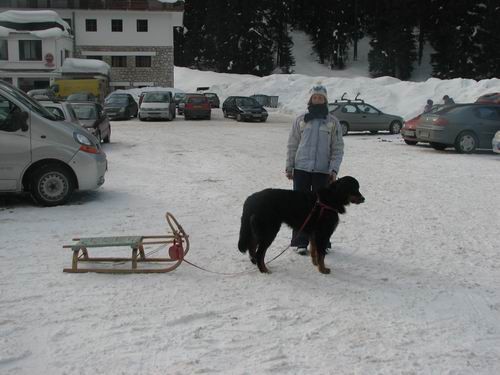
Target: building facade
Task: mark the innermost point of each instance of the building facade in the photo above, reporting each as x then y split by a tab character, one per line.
135	37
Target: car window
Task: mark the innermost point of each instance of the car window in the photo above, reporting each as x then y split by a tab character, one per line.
12	118
56	111
156	97
487	113
212	96
29	102
85	112
197	99
333	107
247	102
365	108
349	108
117	99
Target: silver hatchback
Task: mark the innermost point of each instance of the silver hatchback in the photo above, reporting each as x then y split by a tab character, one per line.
42	155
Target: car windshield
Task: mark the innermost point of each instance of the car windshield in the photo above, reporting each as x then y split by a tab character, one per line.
156	97
85	112
117	99
209	95
247	102
29	102
180	96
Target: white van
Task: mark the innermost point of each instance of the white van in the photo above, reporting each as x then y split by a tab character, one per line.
157	105
44	156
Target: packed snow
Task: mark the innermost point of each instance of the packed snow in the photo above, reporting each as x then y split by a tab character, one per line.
415	283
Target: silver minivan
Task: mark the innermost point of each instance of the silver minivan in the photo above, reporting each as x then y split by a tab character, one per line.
44	156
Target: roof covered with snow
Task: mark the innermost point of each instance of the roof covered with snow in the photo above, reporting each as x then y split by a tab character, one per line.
40	23
72	65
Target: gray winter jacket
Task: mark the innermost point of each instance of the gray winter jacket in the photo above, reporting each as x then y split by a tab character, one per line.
315	146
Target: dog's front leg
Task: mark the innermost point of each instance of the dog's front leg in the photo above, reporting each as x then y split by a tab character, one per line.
321	260
314	250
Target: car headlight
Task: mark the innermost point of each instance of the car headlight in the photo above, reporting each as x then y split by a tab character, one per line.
121	110
82	139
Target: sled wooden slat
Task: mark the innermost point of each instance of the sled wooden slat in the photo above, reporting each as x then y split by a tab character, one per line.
136	244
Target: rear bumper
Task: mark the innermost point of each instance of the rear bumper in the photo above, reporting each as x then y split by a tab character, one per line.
89	169
432	134
409	134
163	113
197	113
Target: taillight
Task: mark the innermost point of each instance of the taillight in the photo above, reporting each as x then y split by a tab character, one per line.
90	149
440	121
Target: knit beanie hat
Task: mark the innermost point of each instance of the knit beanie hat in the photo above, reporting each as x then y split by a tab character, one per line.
319	90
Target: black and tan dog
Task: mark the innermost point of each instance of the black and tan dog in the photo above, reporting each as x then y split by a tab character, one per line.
265	211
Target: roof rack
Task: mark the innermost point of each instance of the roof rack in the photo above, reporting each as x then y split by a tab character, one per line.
346	100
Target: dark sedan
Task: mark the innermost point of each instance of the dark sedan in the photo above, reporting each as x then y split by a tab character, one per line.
93	118
463	126
244	108
120	106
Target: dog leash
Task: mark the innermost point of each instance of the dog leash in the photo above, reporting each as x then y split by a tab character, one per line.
323	207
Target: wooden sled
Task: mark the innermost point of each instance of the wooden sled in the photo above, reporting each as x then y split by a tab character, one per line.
178	240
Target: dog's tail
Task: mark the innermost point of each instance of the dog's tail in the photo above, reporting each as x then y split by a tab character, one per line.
245	232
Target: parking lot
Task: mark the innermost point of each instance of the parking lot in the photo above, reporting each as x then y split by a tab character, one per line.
415	277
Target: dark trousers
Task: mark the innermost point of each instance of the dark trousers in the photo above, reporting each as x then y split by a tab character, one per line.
307	181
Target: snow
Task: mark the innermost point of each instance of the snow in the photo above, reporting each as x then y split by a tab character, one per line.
389	94
73	65
34	16
415	284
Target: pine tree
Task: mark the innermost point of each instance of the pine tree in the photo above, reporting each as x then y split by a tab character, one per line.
393	42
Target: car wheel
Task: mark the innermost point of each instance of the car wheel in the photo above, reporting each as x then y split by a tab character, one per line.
438	146
466	142
395	127
239	118
411	143
263	119
225	113
52	185
345	127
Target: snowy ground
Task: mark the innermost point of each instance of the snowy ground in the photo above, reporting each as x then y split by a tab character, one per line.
414	289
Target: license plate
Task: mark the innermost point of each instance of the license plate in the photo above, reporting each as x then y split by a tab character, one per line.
409	133
256	115
424	134
197	107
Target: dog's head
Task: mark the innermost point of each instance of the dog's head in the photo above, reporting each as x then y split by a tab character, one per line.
346	190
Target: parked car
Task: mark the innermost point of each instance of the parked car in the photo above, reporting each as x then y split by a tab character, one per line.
157	104
463	126
213	99
408	132
179	97
120	106
94	119
83	96
196	106
244	108
62	110
495	142
493	98
356	115
42	94
40	156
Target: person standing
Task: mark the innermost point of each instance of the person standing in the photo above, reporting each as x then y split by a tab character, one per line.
428	106
314	153
447	100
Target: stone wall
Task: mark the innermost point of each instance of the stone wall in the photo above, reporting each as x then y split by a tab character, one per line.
161	72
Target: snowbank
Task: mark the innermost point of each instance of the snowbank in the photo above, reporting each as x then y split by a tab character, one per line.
389	94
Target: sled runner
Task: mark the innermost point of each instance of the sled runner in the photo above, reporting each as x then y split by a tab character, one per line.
179	247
